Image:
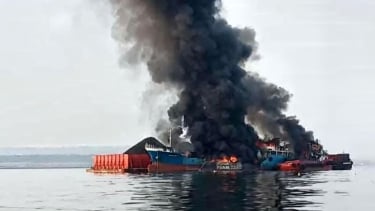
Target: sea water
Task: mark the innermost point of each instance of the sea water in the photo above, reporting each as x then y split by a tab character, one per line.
75	189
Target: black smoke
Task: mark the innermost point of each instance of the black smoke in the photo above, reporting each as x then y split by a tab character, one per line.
187	45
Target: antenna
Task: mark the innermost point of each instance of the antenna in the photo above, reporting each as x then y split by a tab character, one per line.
170	137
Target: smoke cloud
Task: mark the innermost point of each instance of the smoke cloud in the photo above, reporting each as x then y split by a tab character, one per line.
189	47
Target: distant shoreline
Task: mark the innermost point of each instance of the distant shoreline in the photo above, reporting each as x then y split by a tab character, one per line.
34	168
76	150
45	161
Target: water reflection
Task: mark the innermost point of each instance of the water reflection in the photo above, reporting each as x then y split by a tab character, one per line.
209	191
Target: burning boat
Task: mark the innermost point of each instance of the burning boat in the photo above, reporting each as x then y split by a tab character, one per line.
275	154
168	160
272	152
223	164
228	164
315	158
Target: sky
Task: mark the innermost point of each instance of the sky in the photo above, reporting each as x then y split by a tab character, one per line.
61	83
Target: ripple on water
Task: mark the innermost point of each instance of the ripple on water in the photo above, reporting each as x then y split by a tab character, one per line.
188	191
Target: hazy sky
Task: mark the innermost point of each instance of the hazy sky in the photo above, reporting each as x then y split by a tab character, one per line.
60	83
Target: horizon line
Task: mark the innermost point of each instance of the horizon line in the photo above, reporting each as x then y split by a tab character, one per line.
65	146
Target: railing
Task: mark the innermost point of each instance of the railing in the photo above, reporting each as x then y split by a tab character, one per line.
156	148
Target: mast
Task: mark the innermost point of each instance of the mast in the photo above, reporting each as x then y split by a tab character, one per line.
184	129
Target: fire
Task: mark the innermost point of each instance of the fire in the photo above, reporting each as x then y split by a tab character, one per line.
226	159
233	159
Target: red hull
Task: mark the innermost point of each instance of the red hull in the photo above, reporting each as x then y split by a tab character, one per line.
304	165
161	167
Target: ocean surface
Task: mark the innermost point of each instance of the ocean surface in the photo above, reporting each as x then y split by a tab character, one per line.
25	186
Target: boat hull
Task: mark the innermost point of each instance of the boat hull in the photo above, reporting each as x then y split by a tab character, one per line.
340	161
342	166
272	162
164	161
304	165
168	168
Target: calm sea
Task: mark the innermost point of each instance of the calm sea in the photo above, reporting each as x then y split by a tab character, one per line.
72	189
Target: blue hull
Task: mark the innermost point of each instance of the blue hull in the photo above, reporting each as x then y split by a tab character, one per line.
173	158
272	162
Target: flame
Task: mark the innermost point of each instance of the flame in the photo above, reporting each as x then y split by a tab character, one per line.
226	159
233	159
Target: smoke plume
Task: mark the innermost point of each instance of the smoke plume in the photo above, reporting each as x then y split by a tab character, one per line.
189	47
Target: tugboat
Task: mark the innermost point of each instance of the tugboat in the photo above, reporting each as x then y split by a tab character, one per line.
167	159
315	158
273	152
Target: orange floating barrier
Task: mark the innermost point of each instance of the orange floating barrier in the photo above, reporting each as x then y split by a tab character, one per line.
122	164
119	163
